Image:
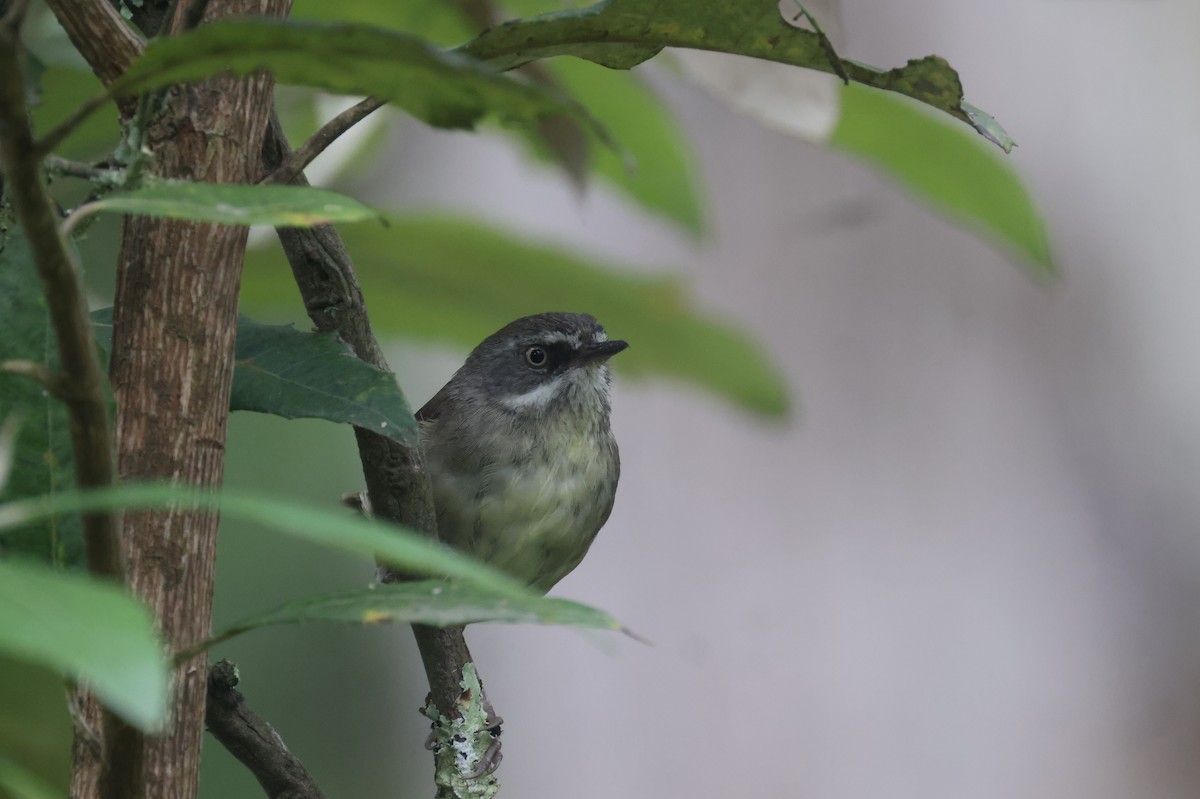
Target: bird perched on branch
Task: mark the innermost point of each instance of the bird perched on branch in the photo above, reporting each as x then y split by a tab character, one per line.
519	447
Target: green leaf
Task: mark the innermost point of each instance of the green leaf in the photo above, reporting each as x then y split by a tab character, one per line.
85	629
20	783
62	88
436	21
42	458
946	167
445	89
397	546
623	33
298	375
237	204
433	602
456	280
664	176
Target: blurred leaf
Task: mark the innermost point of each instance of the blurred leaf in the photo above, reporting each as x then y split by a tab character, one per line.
436	21
294	374
946	167
623	33
237	204
663	179
445	89
89	630
457	280
407	551
434	602
62	89
35	728
19	783
42	458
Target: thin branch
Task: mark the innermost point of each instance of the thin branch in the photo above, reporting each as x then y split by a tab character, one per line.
76	169
34	371
63	129
301	157
253	741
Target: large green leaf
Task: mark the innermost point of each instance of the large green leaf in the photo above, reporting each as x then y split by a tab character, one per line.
295	374
944	166
397	546
237	204
88	630
622	33
456	280
445	89
42	458
664	175
434	602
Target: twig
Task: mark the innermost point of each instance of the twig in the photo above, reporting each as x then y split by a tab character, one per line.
76	169
63	129
253	741
34	371
397	483
301	157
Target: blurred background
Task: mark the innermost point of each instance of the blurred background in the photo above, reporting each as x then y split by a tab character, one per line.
966	562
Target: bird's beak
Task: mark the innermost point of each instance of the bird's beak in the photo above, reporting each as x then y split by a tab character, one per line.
600	351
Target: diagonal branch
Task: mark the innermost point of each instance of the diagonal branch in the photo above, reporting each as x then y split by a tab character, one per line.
252	740
295	162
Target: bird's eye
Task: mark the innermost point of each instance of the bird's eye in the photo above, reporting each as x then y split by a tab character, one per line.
536	356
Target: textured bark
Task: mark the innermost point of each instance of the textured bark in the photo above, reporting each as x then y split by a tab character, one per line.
173	334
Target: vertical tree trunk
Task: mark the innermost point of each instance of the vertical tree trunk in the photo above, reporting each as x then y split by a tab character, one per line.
174	324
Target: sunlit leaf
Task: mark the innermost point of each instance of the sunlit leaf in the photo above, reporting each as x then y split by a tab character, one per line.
237	204
456	280
88	630
942	165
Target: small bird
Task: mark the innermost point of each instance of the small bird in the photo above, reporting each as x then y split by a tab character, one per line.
519	448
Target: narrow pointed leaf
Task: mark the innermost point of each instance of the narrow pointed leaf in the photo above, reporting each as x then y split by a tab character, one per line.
89	630
946	167
456	280
433	602
397	546
238	204
445	89
623	33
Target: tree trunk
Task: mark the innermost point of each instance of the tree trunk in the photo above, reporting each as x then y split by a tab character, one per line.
174	324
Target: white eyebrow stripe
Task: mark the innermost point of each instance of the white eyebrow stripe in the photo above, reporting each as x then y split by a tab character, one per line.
538	397
555	336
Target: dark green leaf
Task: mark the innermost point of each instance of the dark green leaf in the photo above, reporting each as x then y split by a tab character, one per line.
445	89
621	33
63	87
88	630
42	458
456	280
294	374
407	551
233	204
944	166
434	602
18	782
